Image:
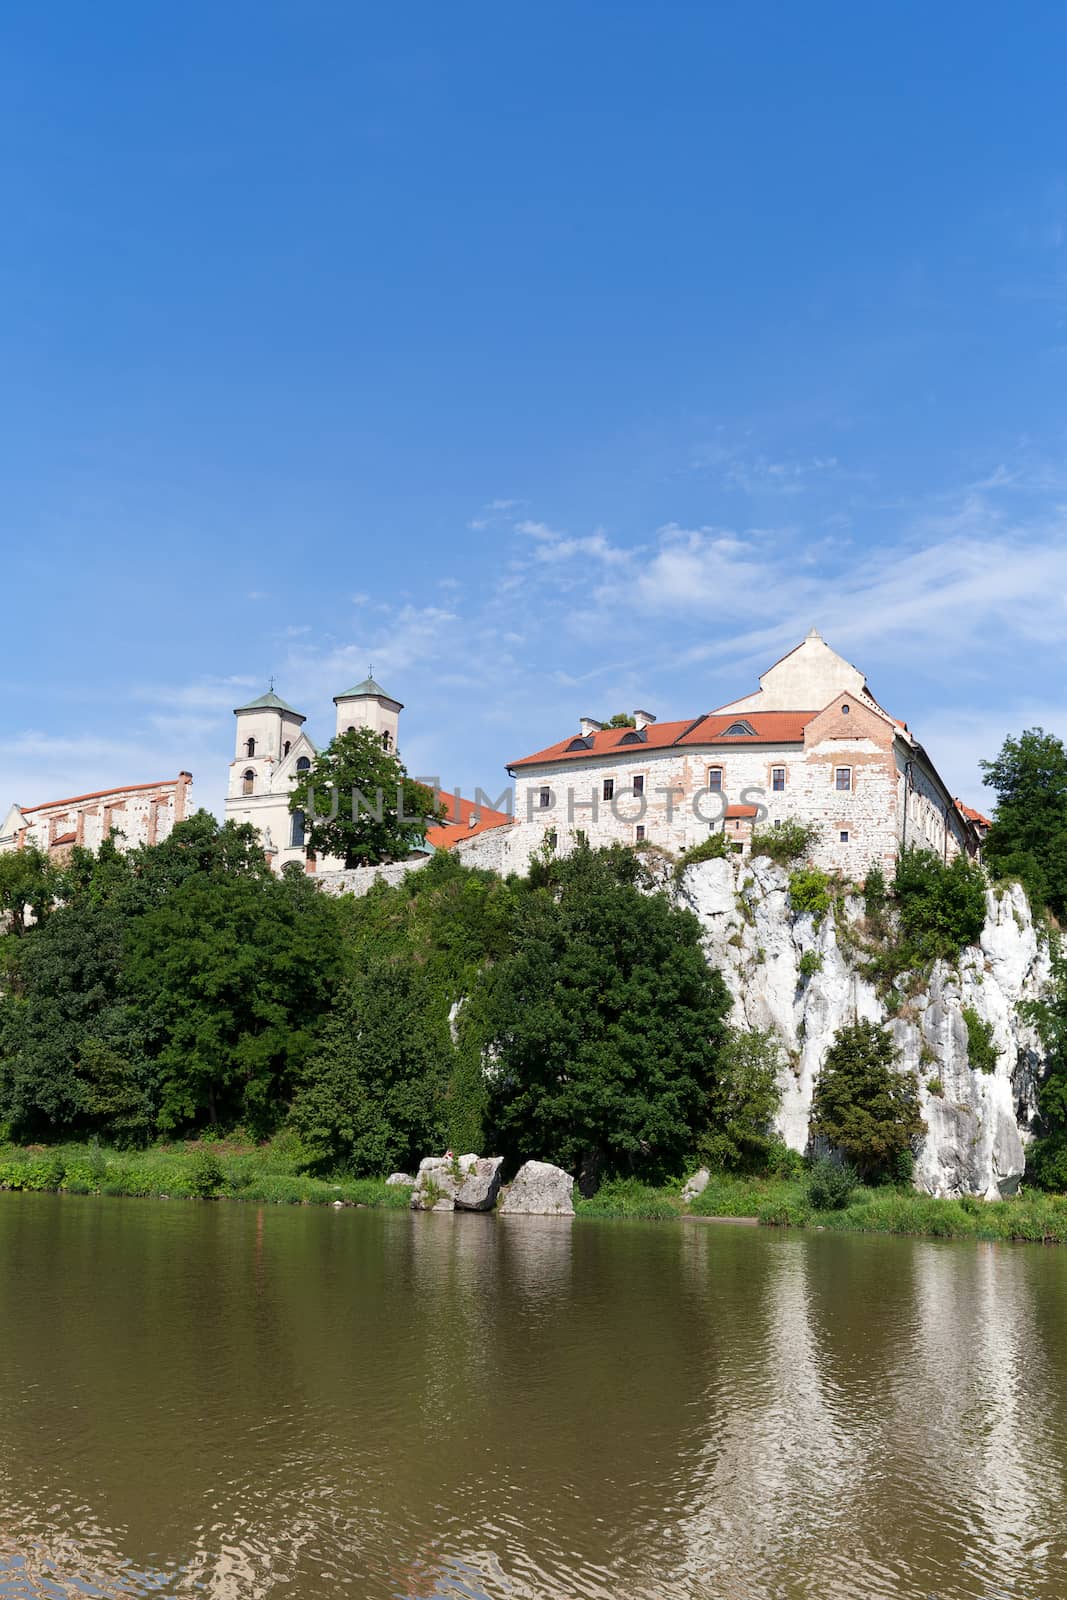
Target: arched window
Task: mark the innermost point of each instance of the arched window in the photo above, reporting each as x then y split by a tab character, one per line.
296	836
350	729
250	747
387	740
248	781
286	747
303	764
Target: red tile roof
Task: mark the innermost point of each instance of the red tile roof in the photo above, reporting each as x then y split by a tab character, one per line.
972	815
742	811
462	820
63	838
769	727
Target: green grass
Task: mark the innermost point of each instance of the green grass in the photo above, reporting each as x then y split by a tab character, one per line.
266	1174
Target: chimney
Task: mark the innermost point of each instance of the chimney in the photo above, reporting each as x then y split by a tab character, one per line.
642	719
589	725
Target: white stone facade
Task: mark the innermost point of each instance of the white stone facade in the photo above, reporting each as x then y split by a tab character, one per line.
843	765
136	814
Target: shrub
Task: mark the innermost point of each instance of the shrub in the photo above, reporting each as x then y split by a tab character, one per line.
782	1162
809	890
713	848
743	1101
831	1185
206	1176
780	1211
942	908
982	1053
935	1087
810	963
875	893
790	842
862	1105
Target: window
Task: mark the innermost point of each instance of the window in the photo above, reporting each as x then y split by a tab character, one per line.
635	736
609	788
738	730
845	709
303	764
639	832
296	835
250	747
544	798
387	740
715	779
639	784
350	729
248	781
844	836
843	777
553	838
287	747
777	779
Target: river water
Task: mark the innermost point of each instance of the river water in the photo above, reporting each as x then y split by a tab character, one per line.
232	1401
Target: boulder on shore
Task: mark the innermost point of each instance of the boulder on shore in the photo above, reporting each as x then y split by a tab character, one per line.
539	1190
696	1184
401	1177
457	1183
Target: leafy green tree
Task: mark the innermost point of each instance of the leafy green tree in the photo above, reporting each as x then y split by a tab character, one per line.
1046	1158
621	719
65	996
232	977
863	1106
604	1022
29	883
1028	839
381	813
743	1100
372	1098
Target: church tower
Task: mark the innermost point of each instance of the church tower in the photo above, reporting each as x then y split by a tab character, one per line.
266	730
367	705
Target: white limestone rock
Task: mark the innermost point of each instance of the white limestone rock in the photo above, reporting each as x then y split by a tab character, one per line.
539	1190
696	1184
451	1183
481	1186
977	1124
400	1177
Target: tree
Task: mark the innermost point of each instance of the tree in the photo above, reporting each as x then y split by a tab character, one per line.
372	1097
232	977
863	1106
603	1022
381	813
1046	1158
1028	839
743	1100
28	884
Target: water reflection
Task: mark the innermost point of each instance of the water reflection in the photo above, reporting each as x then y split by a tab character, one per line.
221	1401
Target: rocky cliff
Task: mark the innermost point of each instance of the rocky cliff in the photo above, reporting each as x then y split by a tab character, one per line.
976	1120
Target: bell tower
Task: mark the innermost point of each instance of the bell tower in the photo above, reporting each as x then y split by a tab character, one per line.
367	705
266	728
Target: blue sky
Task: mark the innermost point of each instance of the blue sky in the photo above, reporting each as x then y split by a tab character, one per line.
555	359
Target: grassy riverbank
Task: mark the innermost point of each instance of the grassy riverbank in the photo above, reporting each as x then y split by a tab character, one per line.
267	1174
264	1173
776	1202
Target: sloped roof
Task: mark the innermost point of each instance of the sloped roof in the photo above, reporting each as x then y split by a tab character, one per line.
769	727
972	815
458	822
369	687
268	702
102	794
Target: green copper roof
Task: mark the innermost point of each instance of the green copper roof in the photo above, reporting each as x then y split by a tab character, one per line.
368	686
268	702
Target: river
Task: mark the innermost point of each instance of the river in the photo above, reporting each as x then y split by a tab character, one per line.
238	1401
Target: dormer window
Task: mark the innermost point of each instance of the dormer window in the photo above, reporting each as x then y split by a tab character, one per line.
250	747
248	781
740	730
635	736
580	744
